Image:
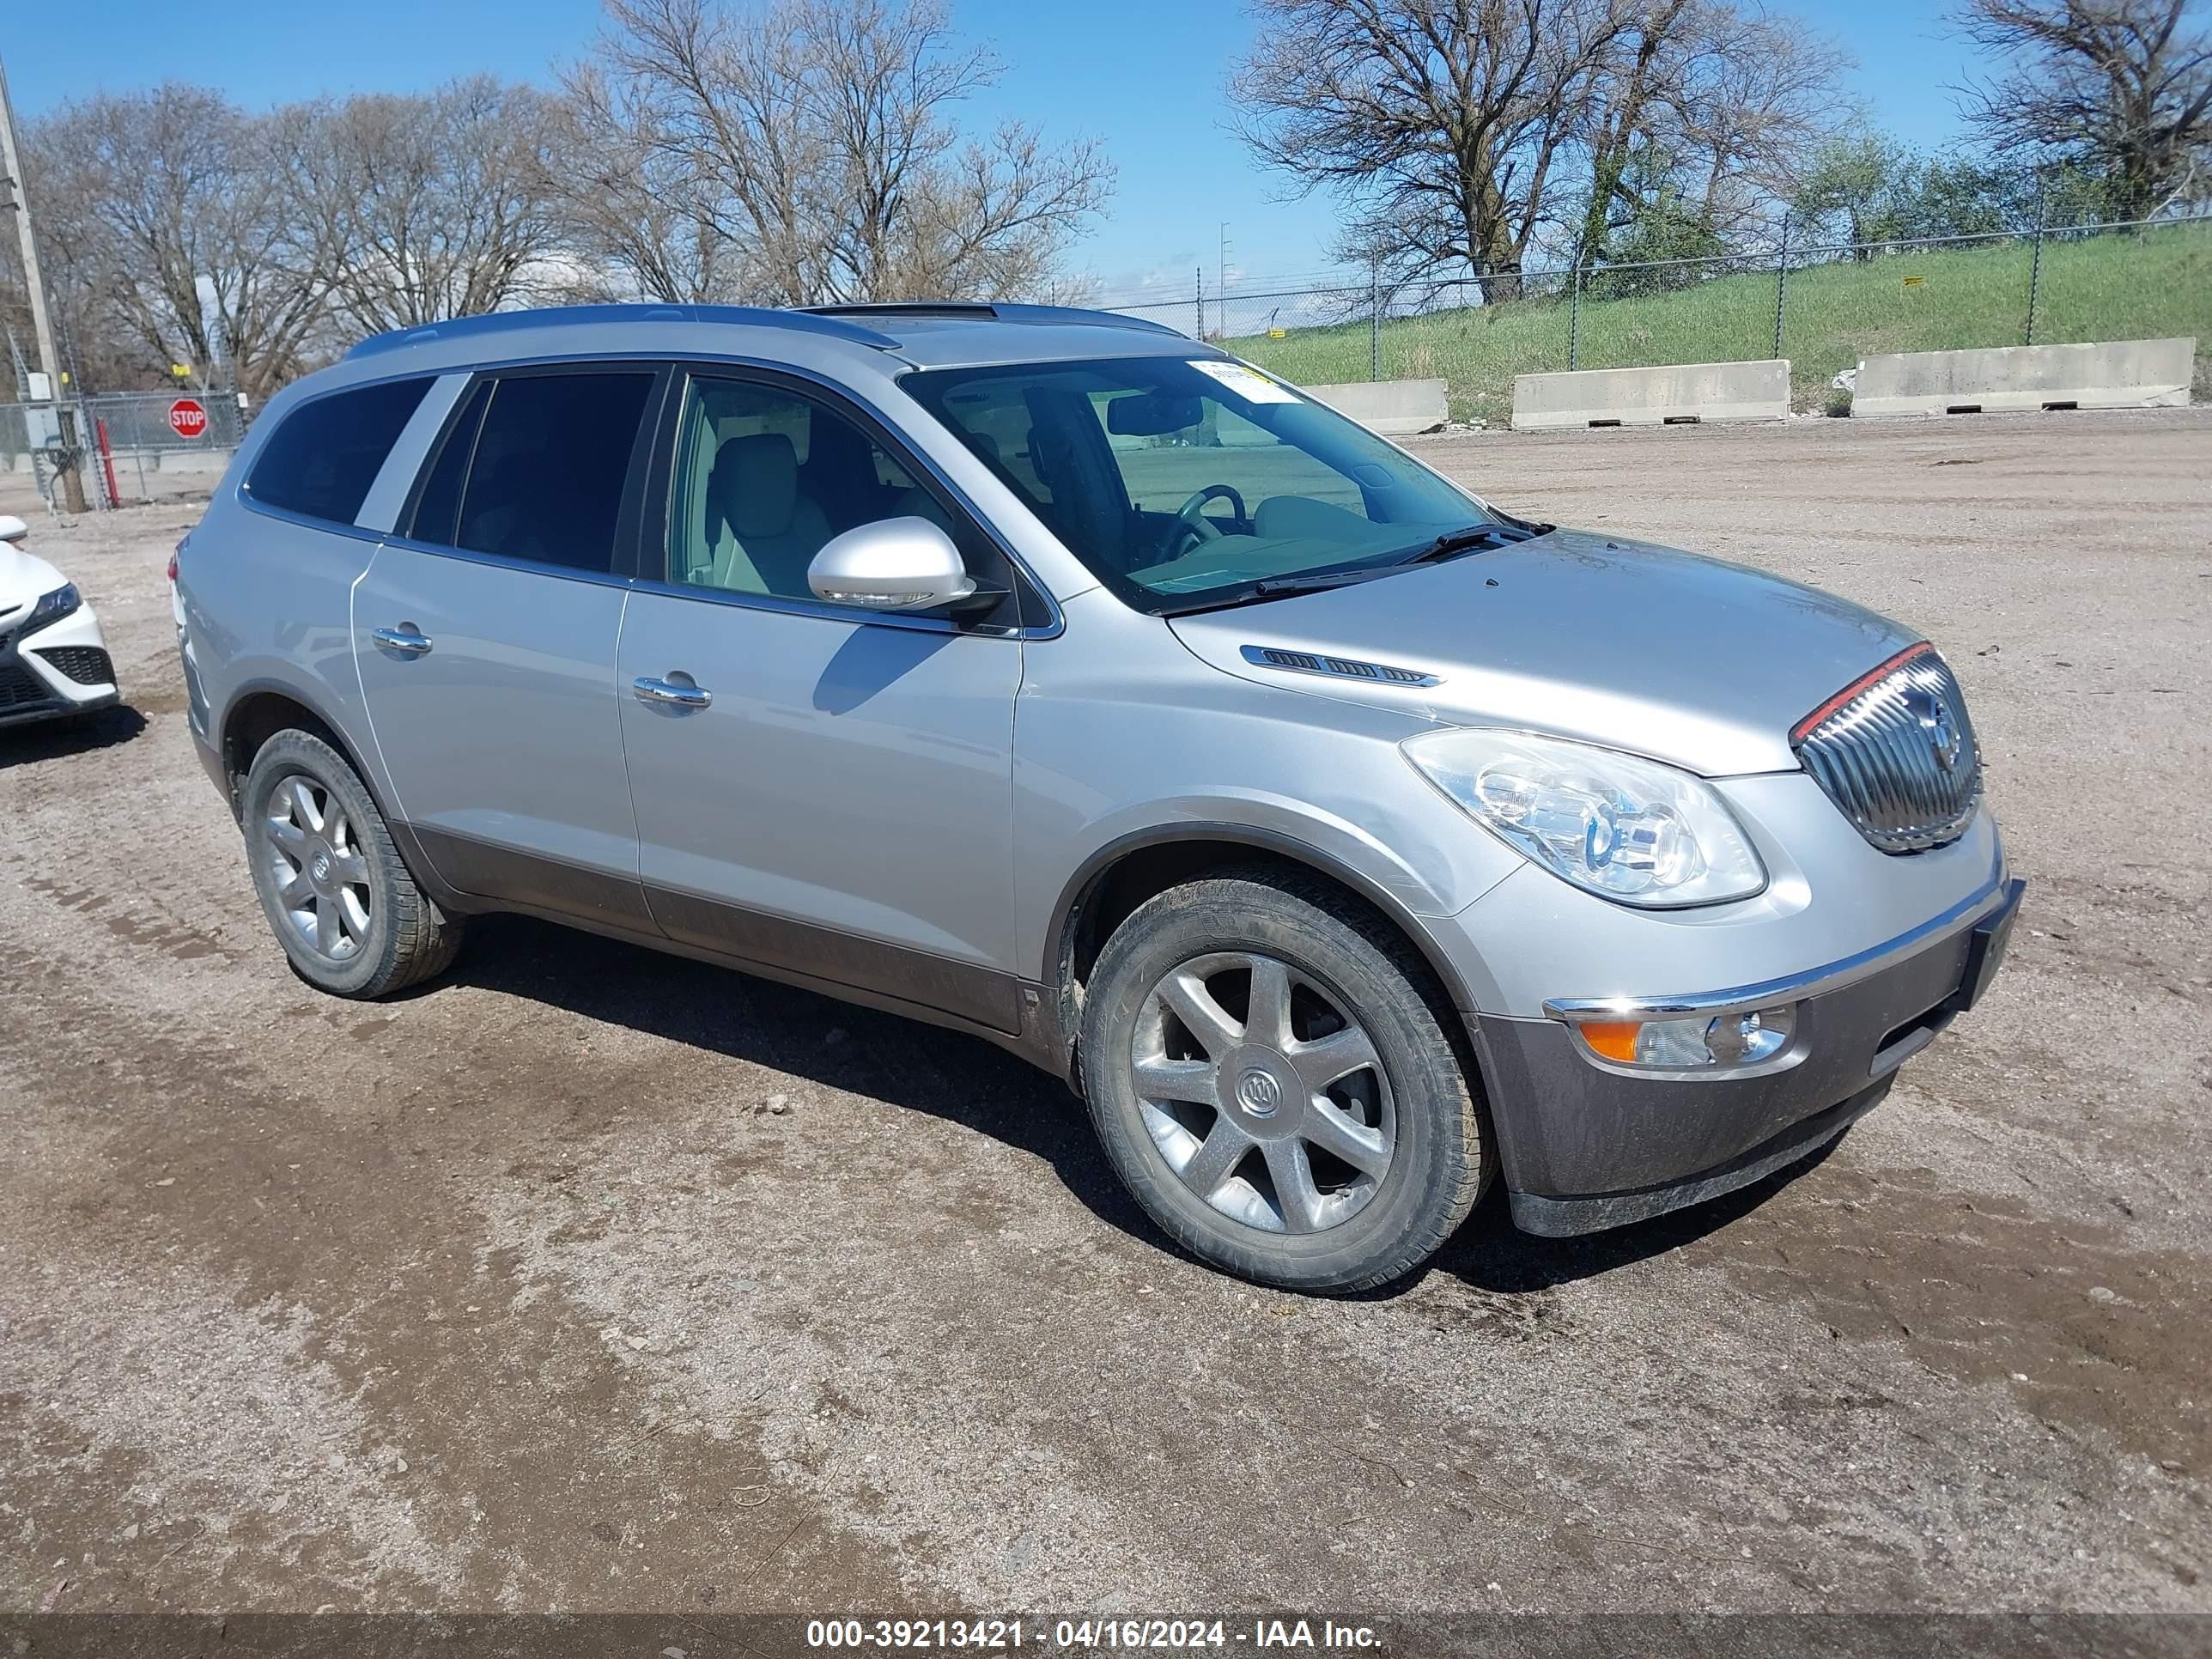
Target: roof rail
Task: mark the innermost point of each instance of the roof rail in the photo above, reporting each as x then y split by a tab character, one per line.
991	311
504	322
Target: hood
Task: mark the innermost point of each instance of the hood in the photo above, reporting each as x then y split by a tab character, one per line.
1691	660
23	577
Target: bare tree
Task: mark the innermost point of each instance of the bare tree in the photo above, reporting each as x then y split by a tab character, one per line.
1647	67
1440	121
1757	98
420	207
2118	86
636	202
1464	134
165	217
806	153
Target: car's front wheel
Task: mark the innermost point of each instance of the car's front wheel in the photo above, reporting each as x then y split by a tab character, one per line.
337	896
1275	1088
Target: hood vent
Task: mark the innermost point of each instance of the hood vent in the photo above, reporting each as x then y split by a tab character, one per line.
1342	668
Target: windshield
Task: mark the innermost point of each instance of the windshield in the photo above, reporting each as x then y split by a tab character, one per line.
1185	484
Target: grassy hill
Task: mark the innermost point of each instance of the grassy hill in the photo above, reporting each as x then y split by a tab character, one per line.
2117	286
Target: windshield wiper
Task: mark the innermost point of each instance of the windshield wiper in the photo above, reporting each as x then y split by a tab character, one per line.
1448	545
1277	587
1452	543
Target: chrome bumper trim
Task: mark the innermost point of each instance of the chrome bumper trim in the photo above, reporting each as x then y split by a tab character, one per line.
1791	988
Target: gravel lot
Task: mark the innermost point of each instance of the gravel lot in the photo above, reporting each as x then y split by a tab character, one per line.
591	1279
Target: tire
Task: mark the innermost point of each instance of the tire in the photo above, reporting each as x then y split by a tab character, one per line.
384	932
1164	1073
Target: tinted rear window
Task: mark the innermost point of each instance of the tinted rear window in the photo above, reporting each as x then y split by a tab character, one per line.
321	461
545	481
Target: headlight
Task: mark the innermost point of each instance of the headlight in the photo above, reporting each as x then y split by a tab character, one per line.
1624	828
52	607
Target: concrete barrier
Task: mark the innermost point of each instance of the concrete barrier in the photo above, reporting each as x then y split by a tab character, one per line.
1677	394
1393	408
2116	374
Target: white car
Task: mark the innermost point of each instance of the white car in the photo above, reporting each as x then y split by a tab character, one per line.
53	658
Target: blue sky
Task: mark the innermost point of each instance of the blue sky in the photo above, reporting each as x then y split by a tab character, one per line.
1144	76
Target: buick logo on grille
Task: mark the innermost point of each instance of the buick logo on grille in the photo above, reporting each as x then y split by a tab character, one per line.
1939	725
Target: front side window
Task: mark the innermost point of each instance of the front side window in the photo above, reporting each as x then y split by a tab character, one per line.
764	477
322	460
1182	483
534	468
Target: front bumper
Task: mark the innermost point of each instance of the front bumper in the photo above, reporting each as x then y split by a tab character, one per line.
1586	1146
63	669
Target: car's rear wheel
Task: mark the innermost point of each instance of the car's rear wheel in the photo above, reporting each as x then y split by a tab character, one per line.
1270	1075
339	900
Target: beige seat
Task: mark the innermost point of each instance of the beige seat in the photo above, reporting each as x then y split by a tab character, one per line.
760	533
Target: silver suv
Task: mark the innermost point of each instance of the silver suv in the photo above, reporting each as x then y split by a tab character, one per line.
1345	840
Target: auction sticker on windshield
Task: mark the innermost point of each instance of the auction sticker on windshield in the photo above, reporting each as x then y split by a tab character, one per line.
1248	384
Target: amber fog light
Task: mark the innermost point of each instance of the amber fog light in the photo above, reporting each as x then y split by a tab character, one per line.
1730	1040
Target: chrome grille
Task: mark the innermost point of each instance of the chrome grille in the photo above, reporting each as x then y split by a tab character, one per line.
1896	752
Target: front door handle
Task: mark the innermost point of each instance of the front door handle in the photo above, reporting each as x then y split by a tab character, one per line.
670	693
404	641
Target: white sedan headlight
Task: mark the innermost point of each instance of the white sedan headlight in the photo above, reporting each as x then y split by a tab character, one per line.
1624	828
52	607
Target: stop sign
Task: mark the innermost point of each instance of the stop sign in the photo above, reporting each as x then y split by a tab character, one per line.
188	416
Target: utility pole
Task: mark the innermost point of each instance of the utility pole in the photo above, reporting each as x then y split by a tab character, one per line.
42	323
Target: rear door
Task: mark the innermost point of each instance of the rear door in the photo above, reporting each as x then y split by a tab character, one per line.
485	632
833	793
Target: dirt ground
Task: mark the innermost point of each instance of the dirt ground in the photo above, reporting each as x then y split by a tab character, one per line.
586	1277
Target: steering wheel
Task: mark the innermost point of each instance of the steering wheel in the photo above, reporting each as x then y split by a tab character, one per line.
1189	522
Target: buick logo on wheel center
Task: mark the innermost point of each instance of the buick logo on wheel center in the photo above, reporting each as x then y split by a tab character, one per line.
1258	1093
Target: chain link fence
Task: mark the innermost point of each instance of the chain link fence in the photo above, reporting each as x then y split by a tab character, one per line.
128	448
1822	307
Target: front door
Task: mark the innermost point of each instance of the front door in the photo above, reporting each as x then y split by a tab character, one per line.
485	632
818	789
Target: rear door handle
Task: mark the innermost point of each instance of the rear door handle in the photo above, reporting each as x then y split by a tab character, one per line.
404	641
670	694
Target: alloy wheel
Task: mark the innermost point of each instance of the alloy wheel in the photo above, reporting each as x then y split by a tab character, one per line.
316	868
1263	1092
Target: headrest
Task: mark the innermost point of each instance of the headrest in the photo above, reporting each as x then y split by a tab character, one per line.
754	486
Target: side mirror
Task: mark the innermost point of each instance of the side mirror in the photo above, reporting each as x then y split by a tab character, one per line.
893	564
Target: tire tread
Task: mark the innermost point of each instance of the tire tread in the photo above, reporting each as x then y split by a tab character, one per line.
419	939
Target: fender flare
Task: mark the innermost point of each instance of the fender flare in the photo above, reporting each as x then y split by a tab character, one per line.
1067	909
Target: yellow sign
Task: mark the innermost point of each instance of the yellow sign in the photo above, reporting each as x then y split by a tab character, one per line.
182	371
1914	282
1279	334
